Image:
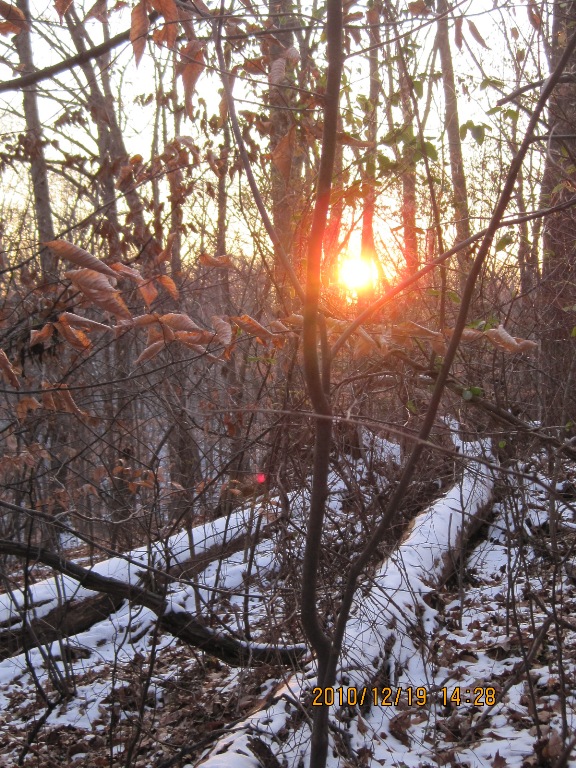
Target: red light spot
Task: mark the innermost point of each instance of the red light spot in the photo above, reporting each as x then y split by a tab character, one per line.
260	477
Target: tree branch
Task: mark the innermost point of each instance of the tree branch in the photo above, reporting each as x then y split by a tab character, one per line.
63	66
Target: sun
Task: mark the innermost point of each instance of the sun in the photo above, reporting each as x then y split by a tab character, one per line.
357	274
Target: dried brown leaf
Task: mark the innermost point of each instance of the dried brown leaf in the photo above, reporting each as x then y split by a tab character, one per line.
38	337
179	322
151	351
78	256
62	6
26	404
502	339
190	68
15	18
139	26
7	370
251	326
168	284
76	321
75	338
476	34
223	262
458	36
223	330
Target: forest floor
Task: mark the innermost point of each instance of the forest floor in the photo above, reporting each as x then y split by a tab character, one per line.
481	673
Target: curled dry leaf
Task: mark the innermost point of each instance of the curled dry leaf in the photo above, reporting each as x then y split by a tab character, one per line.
62	6
502	339
193	338
223	330
190	68
26	404
97	289
168	284
78	256
38	337
277	71
15	19
251	326
75	338
7	370
476	35
167	35
215	261
469	335
126	271
458	36
65	402
76	321
179	322
419	8
151	351
139	26
148	291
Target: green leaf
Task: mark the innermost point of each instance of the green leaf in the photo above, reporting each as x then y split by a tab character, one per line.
491	82
504	242
478	132
411	405
502	444
573	332
430	151
477	391
453	296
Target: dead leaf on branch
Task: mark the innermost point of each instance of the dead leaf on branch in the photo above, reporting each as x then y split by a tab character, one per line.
15	19
168	33
98	290
62	6
476	35
458	36
179	322
7	370
418	8
75	338
151	351
190	68
24	405
223	330
98	11
139	26
84	323
38	337
222	262
166	254
78	256
252	327
169	285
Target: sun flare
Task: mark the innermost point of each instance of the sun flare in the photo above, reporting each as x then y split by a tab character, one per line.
357	274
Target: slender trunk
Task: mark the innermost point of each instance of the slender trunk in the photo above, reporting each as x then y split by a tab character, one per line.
452	122
35	148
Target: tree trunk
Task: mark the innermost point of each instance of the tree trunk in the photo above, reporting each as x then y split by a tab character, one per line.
452	122
558	287
34	145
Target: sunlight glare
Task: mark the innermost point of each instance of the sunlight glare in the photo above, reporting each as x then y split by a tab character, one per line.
357	274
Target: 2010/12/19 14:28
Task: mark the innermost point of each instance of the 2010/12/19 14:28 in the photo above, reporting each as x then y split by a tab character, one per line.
387	697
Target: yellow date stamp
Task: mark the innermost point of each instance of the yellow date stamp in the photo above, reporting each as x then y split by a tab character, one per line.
420	696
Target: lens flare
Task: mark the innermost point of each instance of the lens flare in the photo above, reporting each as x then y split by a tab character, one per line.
357	274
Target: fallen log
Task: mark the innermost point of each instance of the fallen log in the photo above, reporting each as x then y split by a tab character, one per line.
179	623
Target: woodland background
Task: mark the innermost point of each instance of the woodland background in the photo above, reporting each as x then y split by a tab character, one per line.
229	476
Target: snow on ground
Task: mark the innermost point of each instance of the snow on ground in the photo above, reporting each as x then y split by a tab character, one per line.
442	665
